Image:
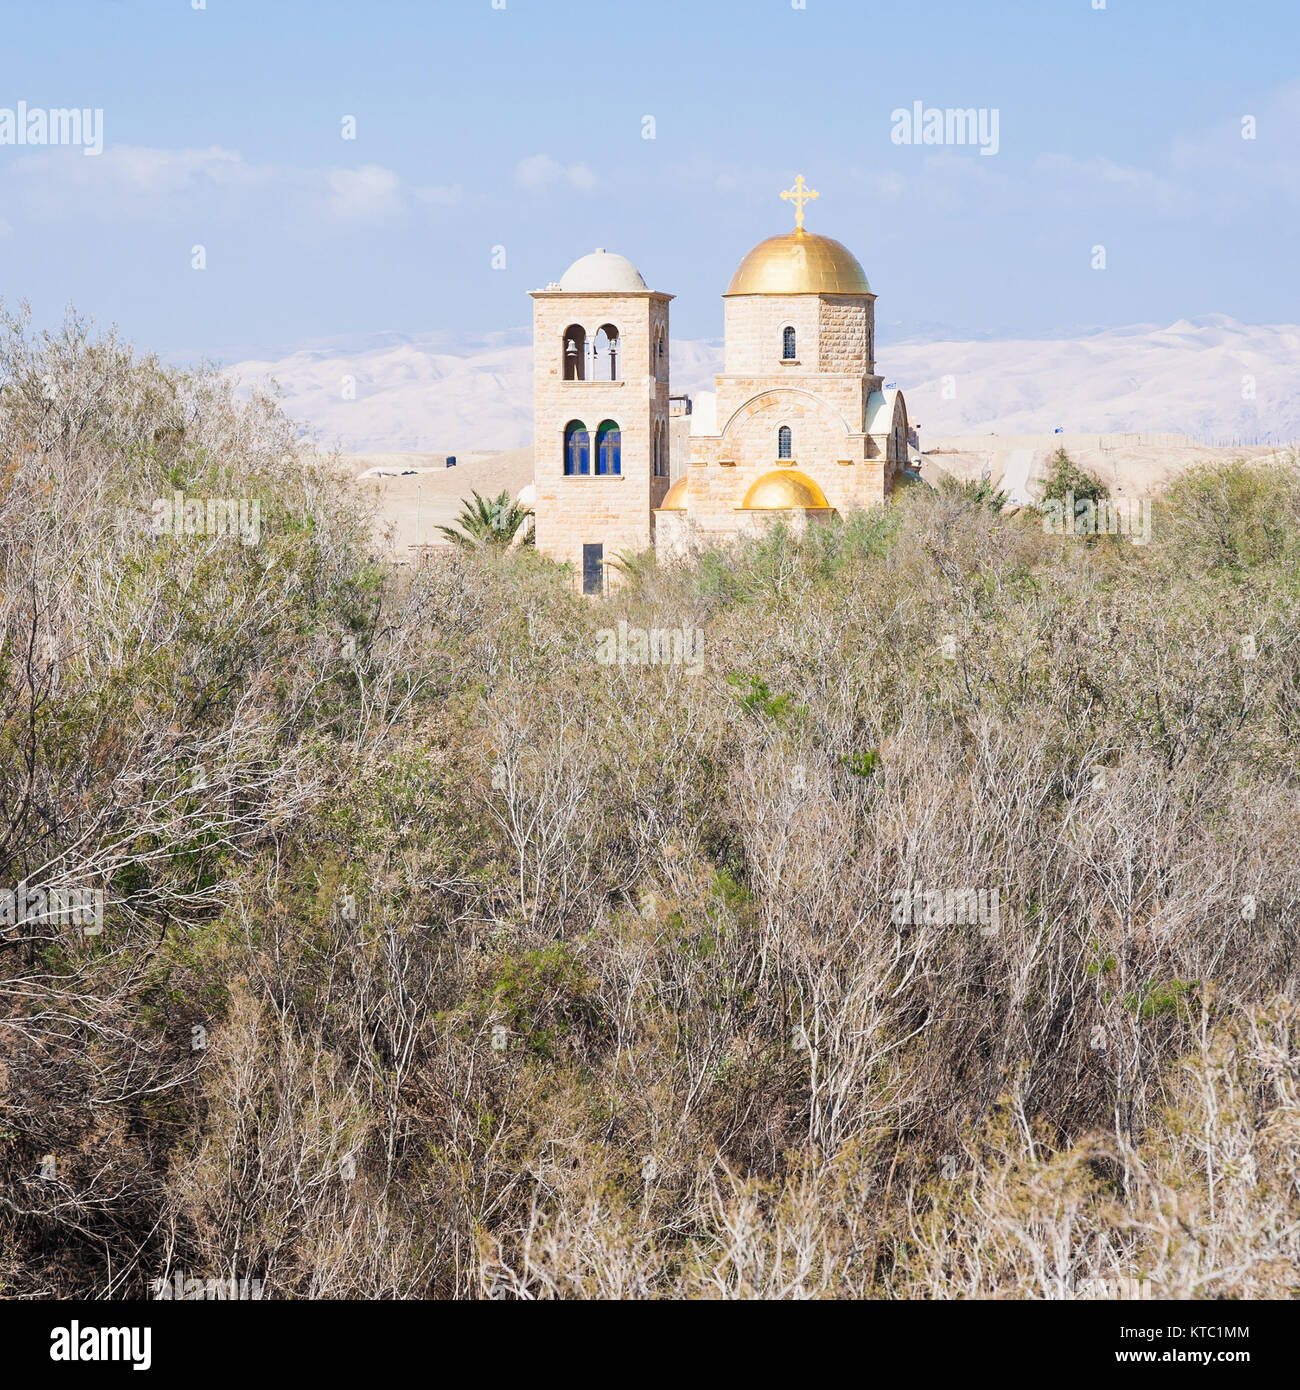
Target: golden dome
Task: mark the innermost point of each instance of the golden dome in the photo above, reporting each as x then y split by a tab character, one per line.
781	489
799	262
675	497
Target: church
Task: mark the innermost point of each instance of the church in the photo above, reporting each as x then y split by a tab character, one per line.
804	427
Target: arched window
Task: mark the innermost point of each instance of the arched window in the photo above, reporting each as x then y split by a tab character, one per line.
784	443
574	341
788	344
605	357
661	450
609	448
577	448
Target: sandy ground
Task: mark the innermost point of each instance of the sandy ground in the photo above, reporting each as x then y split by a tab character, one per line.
1131	465
419	490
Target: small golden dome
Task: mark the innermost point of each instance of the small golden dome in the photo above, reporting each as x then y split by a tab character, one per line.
799	262
782	489
675	497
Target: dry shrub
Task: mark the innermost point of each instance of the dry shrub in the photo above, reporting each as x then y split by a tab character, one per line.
520	974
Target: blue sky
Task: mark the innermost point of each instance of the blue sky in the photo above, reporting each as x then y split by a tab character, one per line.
522	128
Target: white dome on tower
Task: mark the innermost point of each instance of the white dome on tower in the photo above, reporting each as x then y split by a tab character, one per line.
603	271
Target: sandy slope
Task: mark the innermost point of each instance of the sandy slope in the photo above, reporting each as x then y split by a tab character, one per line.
433	494
1133	465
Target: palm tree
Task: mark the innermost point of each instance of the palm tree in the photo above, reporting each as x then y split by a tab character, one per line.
484	522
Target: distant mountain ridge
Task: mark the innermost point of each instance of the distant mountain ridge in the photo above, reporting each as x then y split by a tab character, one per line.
1210	377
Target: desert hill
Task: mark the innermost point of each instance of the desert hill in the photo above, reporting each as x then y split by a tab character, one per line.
1211	378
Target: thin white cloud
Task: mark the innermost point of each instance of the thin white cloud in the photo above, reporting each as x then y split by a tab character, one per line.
137	183
1213	171
1075	180
949	181
125	181
448	197
886	184
368	194
945	181
1259	158
539	173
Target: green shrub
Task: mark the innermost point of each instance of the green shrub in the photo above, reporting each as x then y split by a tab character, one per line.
1065	476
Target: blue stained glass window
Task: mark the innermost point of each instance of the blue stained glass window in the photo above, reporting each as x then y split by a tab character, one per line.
609	448
577	448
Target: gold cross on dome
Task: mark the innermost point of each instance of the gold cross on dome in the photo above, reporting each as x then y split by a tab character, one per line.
799	195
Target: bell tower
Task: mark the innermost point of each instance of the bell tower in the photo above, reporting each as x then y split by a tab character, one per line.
600	412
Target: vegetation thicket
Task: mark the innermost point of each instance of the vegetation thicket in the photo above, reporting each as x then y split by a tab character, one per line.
439	957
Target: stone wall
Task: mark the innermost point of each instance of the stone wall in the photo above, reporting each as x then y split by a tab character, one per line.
846	334
844	395
754	326
833	333
679	434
